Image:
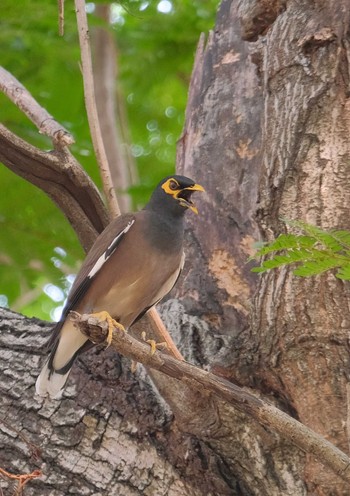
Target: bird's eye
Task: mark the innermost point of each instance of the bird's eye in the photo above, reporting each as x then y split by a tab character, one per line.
173	185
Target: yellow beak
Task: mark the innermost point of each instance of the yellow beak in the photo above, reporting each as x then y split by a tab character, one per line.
192	206
196	187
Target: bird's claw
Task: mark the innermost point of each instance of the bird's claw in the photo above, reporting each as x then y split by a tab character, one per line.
153	344
112	324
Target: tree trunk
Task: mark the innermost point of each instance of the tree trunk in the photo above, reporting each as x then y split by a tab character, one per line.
284	120
107	436
301	327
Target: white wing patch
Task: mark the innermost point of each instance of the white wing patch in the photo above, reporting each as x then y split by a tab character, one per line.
109	251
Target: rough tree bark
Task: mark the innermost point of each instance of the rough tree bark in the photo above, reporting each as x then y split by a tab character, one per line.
276	108
296	349
301	327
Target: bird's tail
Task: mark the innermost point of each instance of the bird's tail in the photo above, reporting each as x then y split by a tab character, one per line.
51	383
58	365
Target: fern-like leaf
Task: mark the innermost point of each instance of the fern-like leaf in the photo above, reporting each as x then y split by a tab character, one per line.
313	251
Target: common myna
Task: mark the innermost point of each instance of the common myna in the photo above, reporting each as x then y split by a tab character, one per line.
132	265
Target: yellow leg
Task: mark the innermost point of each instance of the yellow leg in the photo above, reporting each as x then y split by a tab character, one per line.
153	344
112	323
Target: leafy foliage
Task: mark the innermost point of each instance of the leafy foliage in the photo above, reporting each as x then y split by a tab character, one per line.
156	58
38	249
313	252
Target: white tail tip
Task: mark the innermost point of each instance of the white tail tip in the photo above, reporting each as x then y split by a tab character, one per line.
50	383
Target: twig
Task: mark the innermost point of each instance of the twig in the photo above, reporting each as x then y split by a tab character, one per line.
161	330
22	478
45	123
91	110
35	450
262	411
61	17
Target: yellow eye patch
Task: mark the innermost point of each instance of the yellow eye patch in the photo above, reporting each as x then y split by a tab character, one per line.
171	186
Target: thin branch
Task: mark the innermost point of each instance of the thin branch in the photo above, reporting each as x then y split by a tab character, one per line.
45	123
162	333
203	381
90	103
22	478
61	17
35	450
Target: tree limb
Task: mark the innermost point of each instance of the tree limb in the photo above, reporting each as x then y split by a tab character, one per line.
263	412
57	173
62	178
45	123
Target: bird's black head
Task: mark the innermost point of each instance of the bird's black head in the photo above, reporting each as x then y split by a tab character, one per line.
173	195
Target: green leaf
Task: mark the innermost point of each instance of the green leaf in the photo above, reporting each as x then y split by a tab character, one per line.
285	242
314	251
328	239
343	237
344	272
313	268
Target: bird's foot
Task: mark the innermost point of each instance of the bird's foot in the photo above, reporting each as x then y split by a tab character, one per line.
112	324
153	344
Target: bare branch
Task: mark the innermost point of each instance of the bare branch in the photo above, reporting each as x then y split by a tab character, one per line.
45	123
162	333
90	103
62	178
57	173
61	17
263	412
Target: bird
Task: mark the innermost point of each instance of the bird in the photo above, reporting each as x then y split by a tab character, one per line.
132	265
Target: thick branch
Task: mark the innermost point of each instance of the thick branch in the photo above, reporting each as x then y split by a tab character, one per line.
45	123
62	178
265	413
57	173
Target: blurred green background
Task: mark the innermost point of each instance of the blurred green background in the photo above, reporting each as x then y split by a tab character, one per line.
156	42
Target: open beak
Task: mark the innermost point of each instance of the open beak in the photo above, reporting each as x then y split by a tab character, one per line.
184	196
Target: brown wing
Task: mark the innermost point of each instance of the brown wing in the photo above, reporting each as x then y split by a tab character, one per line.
110	237
102	249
